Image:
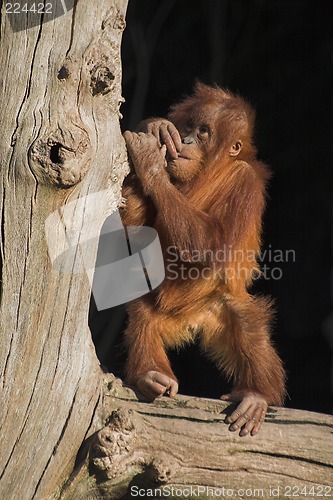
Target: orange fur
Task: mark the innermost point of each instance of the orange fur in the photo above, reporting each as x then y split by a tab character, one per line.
219	206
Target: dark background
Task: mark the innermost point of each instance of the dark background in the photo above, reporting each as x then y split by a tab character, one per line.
278	55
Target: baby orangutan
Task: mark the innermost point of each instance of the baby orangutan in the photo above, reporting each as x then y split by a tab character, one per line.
198	182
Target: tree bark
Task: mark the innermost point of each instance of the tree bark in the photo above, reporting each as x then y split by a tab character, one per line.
60	143
183	442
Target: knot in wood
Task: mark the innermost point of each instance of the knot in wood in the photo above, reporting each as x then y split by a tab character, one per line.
62	158
115	444
114	20
101	80
121	420
119	23
63	73
161	469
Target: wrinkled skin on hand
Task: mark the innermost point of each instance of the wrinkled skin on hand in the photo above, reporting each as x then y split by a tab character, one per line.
147	156
154	384
249	414
165	133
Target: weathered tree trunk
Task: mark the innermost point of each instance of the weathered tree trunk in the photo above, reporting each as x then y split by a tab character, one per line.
62	163
184	443
60	141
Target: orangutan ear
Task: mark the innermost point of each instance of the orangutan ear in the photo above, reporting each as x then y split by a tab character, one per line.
235	148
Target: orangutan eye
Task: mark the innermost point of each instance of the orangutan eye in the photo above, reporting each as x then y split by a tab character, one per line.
204	132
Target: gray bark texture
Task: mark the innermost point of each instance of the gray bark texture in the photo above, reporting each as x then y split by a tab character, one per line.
60	142
63	160
184	442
